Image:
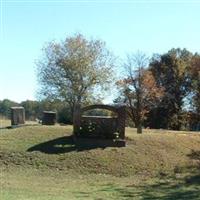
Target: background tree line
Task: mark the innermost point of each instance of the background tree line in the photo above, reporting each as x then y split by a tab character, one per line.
34	109
163	91
160	92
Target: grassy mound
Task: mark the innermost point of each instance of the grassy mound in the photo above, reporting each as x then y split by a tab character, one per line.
53	147
37	153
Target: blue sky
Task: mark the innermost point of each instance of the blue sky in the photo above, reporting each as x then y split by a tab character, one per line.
125	26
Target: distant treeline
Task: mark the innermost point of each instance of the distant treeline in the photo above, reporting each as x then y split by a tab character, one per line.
34	110
161	92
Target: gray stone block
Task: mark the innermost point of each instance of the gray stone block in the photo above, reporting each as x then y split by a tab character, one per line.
49	118
17	116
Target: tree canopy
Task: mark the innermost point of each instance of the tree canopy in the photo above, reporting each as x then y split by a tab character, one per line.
139	89
74	69
171	71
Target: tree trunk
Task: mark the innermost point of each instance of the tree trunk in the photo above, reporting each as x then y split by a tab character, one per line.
76	119
139	128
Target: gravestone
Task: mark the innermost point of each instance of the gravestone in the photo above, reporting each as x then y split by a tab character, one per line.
17	116
100	130
49	118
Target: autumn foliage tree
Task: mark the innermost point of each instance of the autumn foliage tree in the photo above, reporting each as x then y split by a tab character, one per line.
72	70
139	89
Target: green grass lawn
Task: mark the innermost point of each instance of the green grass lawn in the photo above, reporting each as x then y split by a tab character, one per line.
4	122
42	163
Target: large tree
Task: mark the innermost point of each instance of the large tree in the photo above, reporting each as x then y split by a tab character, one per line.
195	82
74	70
171	71
139	89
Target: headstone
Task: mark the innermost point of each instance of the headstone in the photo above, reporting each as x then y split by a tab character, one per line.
100	130
17	115
49	118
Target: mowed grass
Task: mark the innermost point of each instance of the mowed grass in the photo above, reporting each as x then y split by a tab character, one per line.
42	162
4	122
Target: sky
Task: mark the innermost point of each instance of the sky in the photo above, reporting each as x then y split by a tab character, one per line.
151	26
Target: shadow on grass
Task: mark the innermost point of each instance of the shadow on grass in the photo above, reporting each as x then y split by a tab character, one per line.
186	187
158	191
167	190
195	157
60	145
171	191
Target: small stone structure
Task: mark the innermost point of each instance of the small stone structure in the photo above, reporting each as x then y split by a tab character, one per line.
17	116
49	118
100	130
